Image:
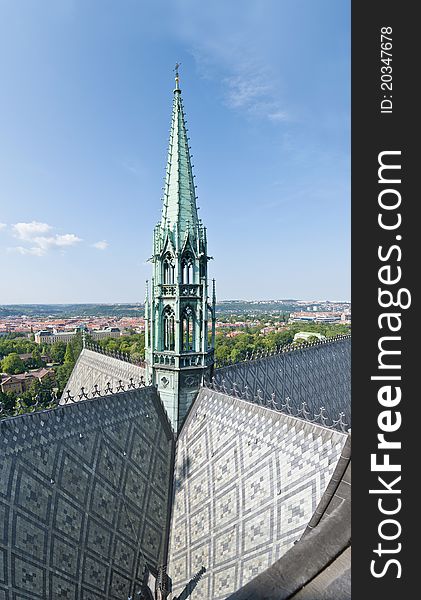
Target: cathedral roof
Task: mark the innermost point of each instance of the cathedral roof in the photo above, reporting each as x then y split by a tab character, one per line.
93	368
247	483
319	564
247	501
179	211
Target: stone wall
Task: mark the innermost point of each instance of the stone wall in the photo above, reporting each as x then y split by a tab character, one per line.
319	375
93	368
247	482
84	498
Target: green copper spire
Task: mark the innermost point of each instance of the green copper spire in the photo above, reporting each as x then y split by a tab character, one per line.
178	316
179	212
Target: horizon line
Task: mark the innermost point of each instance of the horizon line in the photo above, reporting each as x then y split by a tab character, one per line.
142	303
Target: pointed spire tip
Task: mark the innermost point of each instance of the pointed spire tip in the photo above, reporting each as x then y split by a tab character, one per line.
177	77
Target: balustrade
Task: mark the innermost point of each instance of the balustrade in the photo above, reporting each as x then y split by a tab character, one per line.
187	290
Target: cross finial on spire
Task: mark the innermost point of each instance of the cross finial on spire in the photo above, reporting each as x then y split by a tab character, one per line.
177	78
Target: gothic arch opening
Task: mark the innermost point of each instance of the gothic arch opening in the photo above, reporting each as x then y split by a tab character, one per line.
169	328
187	329
187	268
168	269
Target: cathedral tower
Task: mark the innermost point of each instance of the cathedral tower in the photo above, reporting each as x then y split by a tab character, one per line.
179	354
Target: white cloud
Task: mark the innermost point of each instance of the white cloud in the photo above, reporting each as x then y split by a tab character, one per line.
35	251
237	49
3	226
102	245
278	115
68	239
133	166
243	93
255	96
27	231
40	244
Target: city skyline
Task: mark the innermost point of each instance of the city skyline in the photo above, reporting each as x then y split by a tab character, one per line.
85	146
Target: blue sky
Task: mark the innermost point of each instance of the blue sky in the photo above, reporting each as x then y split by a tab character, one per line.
85	106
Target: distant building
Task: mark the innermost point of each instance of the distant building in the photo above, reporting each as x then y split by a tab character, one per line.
22	382
315	317
49	337
297	319
108	332
305	335
330	319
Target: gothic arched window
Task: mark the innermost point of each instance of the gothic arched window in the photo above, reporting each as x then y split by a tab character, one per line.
187	329
168	328
187	268
168	268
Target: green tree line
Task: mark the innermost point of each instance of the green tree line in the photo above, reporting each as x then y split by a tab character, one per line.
240	346
227	349
40	393
133	345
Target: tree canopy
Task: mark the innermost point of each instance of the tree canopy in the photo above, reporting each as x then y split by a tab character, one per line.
12	364
69	357
20	345
235	345
133	345
57	352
